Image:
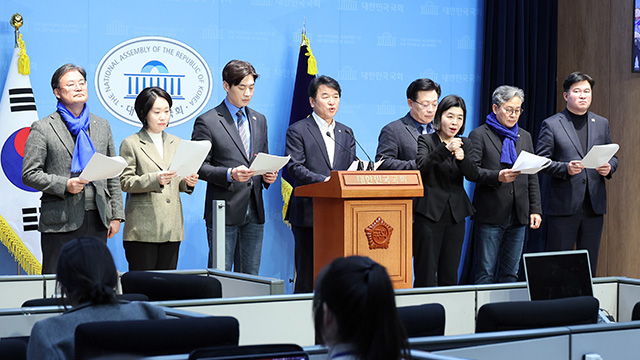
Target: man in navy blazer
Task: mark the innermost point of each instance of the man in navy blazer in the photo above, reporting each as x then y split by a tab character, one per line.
398	140
237	134
505	200
317	145
577	196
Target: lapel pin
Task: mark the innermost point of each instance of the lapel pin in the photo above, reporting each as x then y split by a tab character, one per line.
339	130
254	118
593	120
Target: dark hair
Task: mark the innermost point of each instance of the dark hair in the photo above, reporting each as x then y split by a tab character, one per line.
323	80
86	272
359	294
576	77
146	99
421	85
55	79
447	103
236	70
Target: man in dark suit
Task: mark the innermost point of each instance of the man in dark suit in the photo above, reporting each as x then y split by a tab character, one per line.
505	201
237	134
398	140
317	145
58	148
577	196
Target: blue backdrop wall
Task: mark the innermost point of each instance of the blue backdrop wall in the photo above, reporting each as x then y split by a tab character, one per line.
373	48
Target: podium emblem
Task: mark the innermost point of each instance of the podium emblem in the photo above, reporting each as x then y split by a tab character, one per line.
378	234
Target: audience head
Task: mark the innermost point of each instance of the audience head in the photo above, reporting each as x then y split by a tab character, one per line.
148	100
354	303
86	272
324	97
577	92
238	80
69	84
422	98
507	104
451	107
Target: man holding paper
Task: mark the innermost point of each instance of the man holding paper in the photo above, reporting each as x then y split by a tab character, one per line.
237	134
506	201
577	195
58	148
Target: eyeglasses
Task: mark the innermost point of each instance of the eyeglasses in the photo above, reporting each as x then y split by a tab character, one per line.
512	111
434	104
72	85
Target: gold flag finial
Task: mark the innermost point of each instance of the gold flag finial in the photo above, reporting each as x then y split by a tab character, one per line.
16	21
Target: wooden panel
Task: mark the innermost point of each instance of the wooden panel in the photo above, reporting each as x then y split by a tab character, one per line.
595	37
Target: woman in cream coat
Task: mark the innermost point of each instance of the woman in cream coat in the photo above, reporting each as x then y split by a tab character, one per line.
154	226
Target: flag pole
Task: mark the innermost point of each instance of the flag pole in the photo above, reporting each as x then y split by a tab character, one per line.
16	21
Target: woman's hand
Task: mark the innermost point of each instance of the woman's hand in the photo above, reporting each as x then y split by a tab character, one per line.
164	177
191	180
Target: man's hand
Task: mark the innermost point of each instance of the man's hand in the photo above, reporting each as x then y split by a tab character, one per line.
114	227
574	167
604	170
535	220
270	178
507	175
75	185
242	173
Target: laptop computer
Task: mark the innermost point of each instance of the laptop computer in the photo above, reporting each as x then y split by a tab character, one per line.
558	274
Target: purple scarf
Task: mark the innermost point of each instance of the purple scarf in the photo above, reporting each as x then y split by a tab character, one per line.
78	126
508	136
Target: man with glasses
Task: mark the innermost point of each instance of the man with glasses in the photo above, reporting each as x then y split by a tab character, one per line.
577	196
398	140
505	201
58	148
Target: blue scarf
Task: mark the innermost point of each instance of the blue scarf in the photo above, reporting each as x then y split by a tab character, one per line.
508	136
78	126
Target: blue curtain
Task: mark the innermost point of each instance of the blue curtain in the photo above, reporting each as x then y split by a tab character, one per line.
520	49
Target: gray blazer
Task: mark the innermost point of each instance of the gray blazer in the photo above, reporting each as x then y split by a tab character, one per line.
227	151
47	167
398	145
154	211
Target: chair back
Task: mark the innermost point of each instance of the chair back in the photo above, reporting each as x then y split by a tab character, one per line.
13	349
251	352
160	286
112	339
423	320
57	301
519	315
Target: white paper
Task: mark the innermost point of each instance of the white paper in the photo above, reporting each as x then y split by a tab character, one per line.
103	167
528	163
265	163
189	157
599	155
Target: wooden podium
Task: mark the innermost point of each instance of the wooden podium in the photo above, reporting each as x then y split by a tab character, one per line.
368	213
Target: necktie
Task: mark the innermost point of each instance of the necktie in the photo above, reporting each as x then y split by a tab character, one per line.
424	129
243	129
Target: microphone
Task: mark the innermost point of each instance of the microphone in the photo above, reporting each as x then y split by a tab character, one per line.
360	164
370	166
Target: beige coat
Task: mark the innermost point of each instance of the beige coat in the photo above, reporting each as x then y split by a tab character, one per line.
153	211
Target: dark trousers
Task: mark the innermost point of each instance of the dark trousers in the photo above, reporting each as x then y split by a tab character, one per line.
582	230
437	246
152	256
51	243
303	237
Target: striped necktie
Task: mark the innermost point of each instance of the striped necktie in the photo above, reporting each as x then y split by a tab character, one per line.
243	129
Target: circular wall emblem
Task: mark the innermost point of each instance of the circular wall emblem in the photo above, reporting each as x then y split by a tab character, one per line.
147	61
12	156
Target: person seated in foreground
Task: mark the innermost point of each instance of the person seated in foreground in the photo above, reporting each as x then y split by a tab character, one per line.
87	276
354	311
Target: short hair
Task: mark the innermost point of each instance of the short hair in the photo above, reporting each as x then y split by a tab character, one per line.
323	80
87	272
447	103
146	99
504	93
359	294
236	70
576	77
59	73
422	85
